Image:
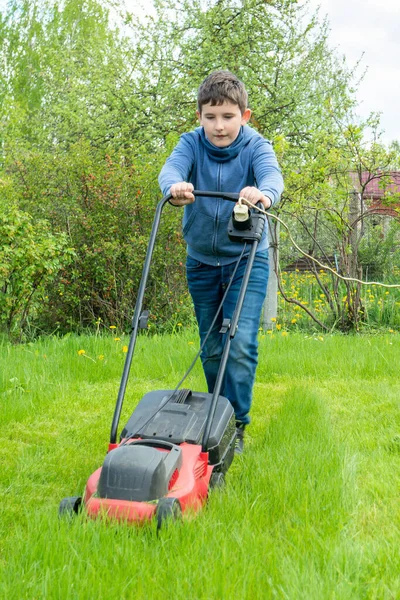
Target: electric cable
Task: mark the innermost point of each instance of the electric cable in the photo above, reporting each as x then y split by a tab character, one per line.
188	371
325	267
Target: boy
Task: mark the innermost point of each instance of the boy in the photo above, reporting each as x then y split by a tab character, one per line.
223	154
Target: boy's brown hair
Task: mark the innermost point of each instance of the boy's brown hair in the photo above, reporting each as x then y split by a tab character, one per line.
219	87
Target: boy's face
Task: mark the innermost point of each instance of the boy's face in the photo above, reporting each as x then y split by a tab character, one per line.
222	122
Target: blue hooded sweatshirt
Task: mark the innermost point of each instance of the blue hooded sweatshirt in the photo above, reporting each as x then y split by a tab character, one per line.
248	161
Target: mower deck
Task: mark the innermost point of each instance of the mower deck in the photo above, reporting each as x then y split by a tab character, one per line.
189	486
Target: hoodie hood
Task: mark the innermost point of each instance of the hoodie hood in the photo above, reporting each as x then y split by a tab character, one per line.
217	154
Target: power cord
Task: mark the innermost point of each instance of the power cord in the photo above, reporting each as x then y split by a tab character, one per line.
325	267
168	398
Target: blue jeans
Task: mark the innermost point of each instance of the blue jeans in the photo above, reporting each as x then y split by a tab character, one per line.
207	285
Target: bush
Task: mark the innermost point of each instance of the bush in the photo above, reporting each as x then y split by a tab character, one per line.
30	260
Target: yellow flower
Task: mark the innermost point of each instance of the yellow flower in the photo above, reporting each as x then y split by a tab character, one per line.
285	333
269	331
101	357
124	348
117	339
391	330
321	339
273	319
113	327
278	326
179	324
293	321
80	352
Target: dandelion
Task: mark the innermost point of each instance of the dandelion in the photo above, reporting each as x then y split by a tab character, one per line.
81	352
113	327
117	339
100	357
125	349
293	321
284	333
278	326
273	319
269	331
391	330
179	324
321	339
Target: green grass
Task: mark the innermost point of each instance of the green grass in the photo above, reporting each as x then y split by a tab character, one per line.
311	510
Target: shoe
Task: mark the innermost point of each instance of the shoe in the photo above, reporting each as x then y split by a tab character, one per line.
239	444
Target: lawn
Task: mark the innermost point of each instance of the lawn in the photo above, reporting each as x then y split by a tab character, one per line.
310	511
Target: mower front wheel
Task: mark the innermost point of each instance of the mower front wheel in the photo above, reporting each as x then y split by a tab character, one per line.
69	507
217	480
168	509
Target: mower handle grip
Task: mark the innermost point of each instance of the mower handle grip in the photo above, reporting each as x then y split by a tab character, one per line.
225	195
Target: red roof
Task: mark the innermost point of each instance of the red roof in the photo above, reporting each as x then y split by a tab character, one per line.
377	191
374	189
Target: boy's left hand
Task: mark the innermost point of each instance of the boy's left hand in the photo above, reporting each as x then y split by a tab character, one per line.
253	195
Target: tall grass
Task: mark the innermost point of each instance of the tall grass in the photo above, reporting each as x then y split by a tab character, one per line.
310	511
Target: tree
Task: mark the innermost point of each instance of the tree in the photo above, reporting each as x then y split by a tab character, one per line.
92	105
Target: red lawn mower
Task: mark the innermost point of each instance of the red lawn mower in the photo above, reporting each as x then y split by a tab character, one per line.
177	444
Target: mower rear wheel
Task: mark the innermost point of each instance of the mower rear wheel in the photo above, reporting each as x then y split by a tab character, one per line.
217	480
69	507
168	509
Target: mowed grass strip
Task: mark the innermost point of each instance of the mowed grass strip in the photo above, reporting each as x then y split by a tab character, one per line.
310	511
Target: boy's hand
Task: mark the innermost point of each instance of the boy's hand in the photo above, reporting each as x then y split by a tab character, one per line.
253	195
182	193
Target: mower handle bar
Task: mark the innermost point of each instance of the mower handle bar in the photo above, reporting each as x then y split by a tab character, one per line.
225	195
139	301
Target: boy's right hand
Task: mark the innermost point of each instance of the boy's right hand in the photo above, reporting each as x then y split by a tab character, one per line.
182	193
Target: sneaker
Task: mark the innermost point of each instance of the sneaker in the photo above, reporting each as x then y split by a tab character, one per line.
239	444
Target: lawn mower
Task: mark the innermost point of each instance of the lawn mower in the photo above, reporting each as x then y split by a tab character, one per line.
177	444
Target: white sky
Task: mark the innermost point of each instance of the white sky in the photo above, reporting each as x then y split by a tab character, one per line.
360	28
371	27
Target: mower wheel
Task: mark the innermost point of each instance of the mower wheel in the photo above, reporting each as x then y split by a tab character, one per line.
217	480
168	509
69	507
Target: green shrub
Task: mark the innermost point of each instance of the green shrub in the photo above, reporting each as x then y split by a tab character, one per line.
30	259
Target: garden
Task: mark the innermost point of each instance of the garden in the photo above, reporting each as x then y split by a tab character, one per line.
92	101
